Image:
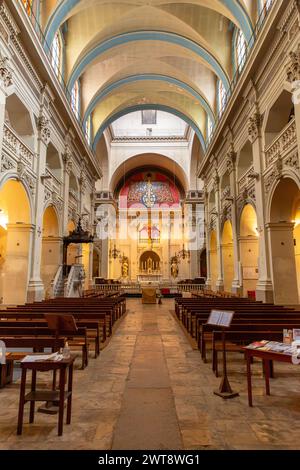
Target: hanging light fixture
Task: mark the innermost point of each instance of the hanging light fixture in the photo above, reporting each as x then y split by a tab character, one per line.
184	254
114	252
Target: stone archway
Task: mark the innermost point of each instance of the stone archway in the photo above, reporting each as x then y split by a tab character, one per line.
284	236
249	247
51	248
15	239
149	262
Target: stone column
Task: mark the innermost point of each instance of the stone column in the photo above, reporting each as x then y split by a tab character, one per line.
264	287
16	268
283	263
67	159
91	223
207	238
35	286
220	278
231	168
5	83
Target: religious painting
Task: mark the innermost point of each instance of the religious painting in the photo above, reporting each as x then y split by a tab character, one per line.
149	190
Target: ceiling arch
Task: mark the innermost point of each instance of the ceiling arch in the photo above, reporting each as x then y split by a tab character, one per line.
157	160
139	107
91	55
153	77
233	9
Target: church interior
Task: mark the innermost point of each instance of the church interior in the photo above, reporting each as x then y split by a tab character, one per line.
149	224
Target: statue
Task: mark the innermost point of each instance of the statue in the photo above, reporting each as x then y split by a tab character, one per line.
149	265
125	267
174	267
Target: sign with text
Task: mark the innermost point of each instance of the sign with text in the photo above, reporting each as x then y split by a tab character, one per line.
222	318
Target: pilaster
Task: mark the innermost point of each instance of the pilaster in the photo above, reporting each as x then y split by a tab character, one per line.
237	282
264	287
35	286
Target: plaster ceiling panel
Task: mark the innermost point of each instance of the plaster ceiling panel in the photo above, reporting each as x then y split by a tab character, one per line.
214	29
198	77
139	55
87	24
130	96
148	18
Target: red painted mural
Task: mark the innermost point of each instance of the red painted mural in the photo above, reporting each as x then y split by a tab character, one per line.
149	190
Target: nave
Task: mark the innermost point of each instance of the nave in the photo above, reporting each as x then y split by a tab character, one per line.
149	389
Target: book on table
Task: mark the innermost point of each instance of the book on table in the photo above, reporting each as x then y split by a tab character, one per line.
273	346
42	357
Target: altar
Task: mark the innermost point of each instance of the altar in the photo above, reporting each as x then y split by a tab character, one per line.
149	277
149	295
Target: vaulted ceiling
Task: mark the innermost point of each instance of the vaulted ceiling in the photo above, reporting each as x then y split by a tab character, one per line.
132	54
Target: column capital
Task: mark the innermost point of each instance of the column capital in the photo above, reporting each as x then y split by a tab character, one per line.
216	181
67	160
231	159
293	68
6	72
44	129
254	126
83	182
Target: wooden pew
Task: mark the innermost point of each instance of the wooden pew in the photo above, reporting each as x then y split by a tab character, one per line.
78	338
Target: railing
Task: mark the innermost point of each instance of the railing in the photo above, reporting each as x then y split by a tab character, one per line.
243	181
54	182
243	60
282	144
57	281
17	147
136	288
108	287
190	287
73	284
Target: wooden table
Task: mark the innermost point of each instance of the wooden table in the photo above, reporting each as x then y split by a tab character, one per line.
59	395
267	357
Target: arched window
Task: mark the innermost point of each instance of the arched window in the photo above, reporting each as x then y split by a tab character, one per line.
241	50
56	54
210	127
75	99
88	129
221	97
266	4
28	6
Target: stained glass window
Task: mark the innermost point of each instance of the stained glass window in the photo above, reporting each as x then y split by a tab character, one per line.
56	54
149	116
28	6
221	96
209	129
88	129
75	99
241	49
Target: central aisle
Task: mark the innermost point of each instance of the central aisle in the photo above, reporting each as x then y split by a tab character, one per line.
148	416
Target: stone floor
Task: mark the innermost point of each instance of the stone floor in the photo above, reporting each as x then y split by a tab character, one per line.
149	389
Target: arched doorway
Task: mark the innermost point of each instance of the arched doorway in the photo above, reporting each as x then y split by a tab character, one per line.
249	248
203	264
51	248
213	259
96	263
149	262
227	255
15	238
284	236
